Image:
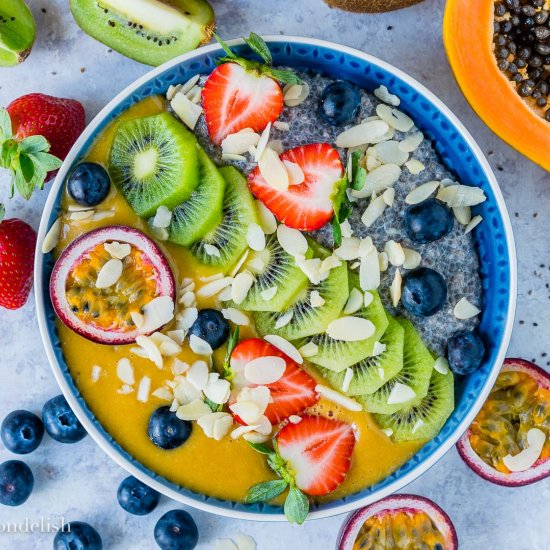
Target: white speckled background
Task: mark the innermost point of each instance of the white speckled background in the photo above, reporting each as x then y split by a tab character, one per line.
79	482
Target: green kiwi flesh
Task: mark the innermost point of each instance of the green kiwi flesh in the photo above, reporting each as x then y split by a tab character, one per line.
17	32
372	372
202	211
417	369
154	163
149	31
229	236
423	418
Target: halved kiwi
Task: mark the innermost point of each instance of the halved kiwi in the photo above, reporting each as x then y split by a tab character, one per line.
417	369
154	162
202	211
150	31
423	418
228	238
17	32
372	372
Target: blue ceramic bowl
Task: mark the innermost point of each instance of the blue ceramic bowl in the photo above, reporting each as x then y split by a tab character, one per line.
493	239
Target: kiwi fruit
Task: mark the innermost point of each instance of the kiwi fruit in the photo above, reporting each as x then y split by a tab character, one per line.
229	236
202	211
154	162
17	32
372	372
149	31
417	369
423	418
280	271
371	6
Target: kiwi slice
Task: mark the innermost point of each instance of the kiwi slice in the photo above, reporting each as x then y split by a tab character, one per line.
280	272
228	238
154	162
423	418
202	211
416	372
372	372
149	31
17	32
306	319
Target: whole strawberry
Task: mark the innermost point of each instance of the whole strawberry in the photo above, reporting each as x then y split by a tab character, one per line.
17	242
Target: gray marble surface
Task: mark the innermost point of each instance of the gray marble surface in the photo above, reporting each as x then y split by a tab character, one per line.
79	482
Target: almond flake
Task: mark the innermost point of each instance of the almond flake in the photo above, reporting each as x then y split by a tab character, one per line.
291	90
265	370
117	250
162	218
240	263
247	411
262	143
285	346
240	287
179	367
294	419
255	237
349	249
346	229
208	424
211	250
188	299
267	219
291	240
234	157
213	288
218	390
369	271
373	211
254	437
273	170
193	411
395	288
400	393
387	431
463	214
260	395
389	196
163	393
461	195
336	397
225	295
187	317
395	253
240	142
172	91
157	313
236	316
125	389
348	376
378	180
414	166
350	329
241	430
441	365
476	220
412	258
284	319
184	392
82	215
388	152
526	458
276	145
197	375
312	269
125	371
256	265
96	373
417	425
151	349
194	94
368	298
330	262
422	192
315	299
52	237
281	126
395	118
383	94
188	111
383	261
295	173
199	346
411	142
109	274
362	134
309	350
137	319
354	303
143	389
268	293
378	349
465	309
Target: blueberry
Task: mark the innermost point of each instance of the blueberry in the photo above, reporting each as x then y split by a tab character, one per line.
137	498
77	535
424	291
166	430
465	351
428	221
176	530
212	327
60	421
16	482
21	432
89	184
339	104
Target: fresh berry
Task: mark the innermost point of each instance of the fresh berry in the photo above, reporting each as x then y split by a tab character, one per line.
89	184
423	292
166	430
17	242
339	104
21	432
309	205
137	498
16	482
60	421
428	221
291	394
212	327
176	530
77	535
318	450
465	351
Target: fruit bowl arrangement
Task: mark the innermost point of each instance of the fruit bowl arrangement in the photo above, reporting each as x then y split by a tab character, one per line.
493	242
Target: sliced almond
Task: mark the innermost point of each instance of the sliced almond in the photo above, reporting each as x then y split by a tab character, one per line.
389	196
187	317
162	218
273	170
260	395
336	397
281	126
240	142
400	393
96	373
240	287
82	215
368	298
395	288
348	376
118	250
295	94
461	195
233	156
255	237
350	329
417	425
294	419
213	288
411	142
354	303
276	145
315	299
211	250
284	319
285	346
52	237
188	299
464	309
414	166
247	411
188	111
389	153
199	346
268	293
526	458
312	269
267	219
441	365
236	316
240	263
262	143
330	262
362	134
348	249
369	271
346	229
378	180
125	371
373	211
463	214
143	390
383	261
291	240
395	118
125	389
163	393
309	350
197	375
151	349
222	426
193	411
378	349
265	370
109	274
295	173
422	192
395	252
476	220
217	389
412	258
383	94
157	313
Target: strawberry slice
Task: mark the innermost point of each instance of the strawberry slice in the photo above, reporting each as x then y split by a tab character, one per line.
318	451
291	394
308	205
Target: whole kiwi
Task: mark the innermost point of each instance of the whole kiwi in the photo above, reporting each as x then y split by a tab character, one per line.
371	6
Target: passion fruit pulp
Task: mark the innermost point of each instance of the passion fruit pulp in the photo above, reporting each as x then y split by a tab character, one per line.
106	313
400	522
518	404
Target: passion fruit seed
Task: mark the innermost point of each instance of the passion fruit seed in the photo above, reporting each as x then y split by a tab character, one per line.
522	48
516	404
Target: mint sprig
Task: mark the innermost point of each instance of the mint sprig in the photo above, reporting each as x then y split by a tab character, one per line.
28	160
342	209
231	343
296	505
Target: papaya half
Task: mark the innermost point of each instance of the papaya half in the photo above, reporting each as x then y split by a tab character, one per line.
500	55
371	6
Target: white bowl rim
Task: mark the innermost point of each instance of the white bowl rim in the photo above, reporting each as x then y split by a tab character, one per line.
83	416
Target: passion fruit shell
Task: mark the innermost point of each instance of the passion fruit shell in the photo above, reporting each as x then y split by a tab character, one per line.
105	315
396	508
541	468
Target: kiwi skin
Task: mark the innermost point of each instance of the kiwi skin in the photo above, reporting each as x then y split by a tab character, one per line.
17	32
371	6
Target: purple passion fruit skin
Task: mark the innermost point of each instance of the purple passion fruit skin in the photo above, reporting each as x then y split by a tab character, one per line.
520	397
402	516
104	315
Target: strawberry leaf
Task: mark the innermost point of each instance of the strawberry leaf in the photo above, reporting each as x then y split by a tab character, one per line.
259	448
284	75
5	125
266	491
27	167
34	144
257	44
296	506
47	161
225	47
233	341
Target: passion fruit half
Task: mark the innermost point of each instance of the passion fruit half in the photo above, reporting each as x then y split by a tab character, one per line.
399	522
107	280
508	442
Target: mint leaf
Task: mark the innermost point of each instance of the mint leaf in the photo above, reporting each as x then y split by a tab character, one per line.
233	341
264	492
257	44
260	448
5	125
296	506
336	231
359	177
34	144
285	76
225	47
27	167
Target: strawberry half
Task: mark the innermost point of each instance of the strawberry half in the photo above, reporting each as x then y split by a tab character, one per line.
309	205
318	452
291	394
